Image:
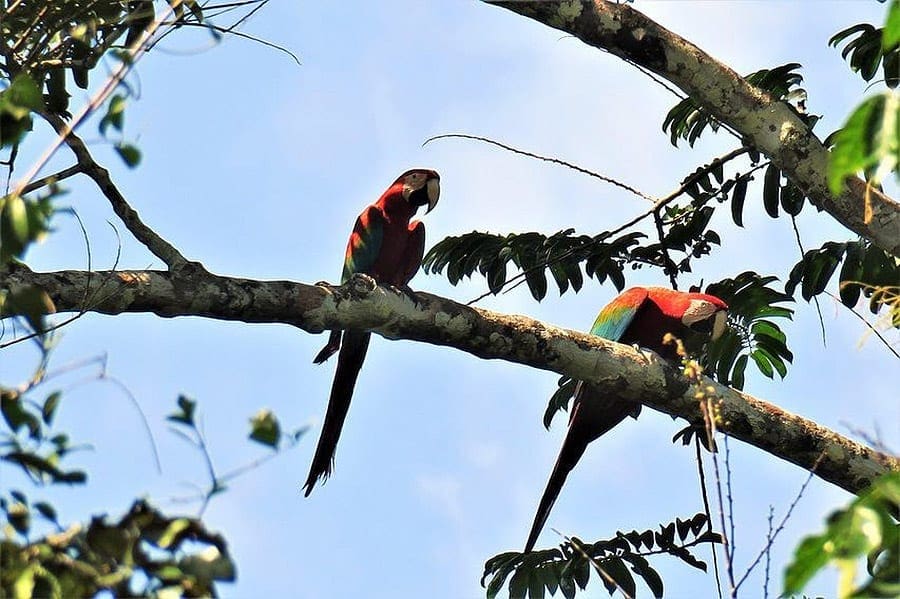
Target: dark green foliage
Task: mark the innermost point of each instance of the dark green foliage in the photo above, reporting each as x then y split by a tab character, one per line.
752	334
83	32
563	254
868	48
866	528
867	269
144	547
616	561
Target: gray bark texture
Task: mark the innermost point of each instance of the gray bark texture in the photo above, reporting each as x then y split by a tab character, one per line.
616	369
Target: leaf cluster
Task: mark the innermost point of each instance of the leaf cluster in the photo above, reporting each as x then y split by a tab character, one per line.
866	528
564	254
145	553
49	39
616	561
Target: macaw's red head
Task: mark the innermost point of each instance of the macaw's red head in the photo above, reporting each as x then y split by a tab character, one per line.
420	187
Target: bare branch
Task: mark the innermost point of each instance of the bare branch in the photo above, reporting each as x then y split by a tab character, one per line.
86	163
617	369
770	126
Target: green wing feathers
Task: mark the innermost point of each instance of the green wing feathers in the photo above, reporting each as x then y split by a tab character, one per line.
365	243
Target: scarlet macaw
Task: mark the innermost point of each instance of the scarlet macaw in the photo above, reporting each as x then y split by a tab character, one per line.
388	247
642	316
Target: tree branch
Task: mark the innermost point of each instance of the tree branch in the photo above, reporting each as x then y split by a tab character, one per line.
770	126
617	369
161	248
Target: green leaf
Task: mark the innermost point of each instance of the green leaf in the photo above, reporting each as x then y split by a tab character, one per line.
25	92
265	429
172	532
651	577
209	564
187	408
46	510
890	37
129	153
737	201
771	190
31	303
50	405
16	416
868	141
115	116
762	363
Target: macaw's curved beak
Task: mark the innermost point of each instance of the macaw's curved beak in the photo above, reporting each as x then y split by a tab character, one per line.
433	191
720	322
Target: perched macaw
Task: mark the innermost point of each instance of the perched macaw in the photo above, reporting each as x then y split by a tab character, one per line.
641	316
388	247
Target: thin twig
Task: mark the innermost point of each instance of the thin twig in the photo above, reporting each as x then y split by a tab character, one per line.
875	442
729	497
771	539
815	298
247	36
874	330
706	510
669	266
50	179
768	553
708	415
574	167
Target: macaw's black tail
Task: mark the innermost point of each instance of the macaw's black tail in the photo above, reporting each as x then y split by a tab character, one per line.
350	360
334	344
592	416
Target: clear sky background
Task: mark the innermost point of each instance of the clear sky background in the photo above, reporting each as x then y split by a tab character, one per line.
258	167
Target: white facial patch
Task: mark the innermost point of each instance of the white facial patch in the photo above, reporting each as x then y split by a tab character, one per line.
412	182
697	311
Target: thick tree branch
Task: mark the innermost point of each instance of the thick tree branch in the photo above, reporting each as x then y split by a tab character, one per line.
771	126
616	369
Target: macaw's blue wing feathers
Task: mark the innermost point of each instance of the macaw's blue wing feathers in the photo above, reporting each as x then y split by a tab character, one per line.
365	243
614	318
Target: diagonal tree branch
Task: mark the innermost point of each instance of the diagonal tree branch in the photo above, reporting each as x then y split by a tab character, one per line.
617	369
161	248
770	126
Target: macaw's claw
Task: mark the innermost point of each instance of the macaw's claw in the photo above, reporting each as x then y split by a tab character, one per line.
408	292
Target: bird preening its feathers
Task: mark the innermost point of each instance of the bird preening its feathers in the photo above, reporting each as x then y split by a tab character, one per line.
641	316
388	247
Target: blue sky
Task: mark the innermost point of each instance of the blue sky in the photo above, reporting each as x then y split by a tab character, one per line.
257	167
